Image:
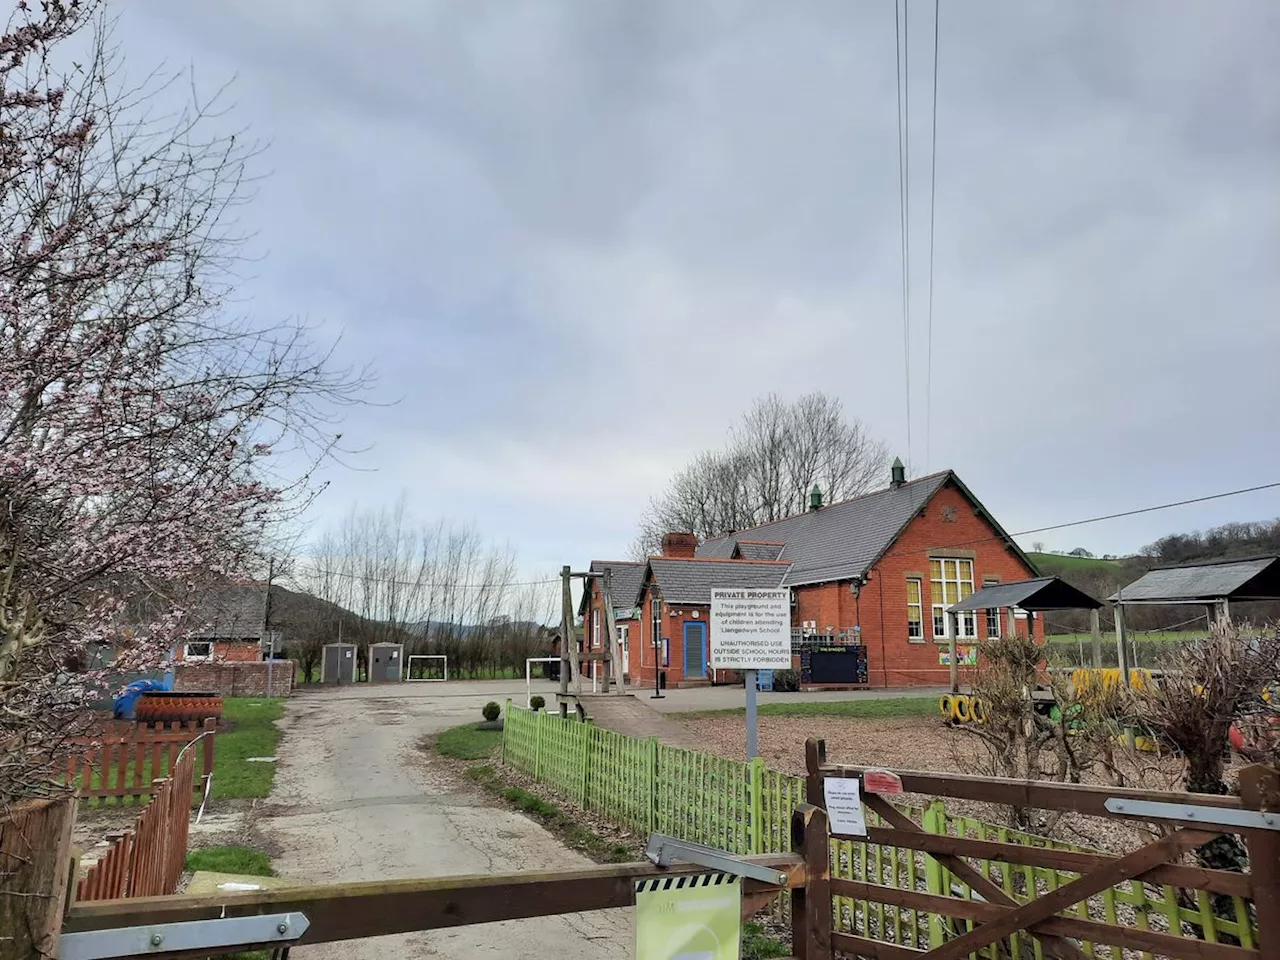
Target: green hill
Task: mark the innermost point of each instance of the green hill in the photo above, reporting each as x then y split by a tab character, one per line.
1058	564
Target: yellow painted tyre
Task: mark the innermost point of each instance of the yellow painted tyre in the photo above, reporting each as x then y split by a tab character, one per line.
963	713
978	710
947	707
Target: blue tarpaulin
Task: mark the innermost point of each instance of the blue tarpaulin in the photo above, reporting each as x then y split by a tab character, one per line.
128	699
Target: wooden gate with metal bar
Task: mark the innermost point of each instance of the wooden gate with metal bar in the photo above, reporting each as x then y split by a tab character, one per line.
996	913
198	926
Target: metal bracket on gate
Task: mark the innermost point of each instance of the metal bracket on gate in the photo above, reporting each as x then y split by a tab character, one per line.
187	935
663	849
1209	816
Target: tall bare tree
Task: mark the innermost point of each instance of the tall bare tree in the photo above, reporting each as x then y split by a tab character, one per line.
774	457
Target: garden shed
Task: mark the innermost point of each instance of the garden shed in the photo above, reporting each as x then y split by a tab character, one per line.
338	663
386	662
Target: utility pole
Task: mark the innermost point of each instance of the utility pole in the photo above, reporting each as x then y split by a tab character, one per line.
266	621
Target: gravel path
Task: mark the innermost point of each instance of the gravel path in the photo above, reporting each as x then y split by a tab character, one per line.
357	799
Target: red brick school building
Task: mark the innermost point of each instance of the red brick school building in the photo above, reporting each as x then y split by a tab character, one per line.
876	573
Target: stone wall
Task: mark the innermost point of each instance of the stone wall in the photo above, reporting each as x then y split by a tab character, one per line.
235	679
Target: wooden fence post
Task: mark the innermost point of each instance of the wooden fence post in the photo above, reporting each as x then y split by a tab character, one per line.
655	783
755	799
811	904
585	781
502	741
1260	790
35	848
537	748
815	755
935	821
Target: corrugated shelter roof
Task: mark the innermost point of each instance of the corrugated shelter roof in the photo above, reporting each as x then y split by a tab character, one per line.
691	581
1255	578
1041	593
231	611
626	576
758	550
844	540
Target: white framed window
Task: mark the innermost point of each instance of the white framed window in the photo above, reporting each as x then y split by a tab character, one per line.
197	650
950	582
993	623
624	634
595	629
915	610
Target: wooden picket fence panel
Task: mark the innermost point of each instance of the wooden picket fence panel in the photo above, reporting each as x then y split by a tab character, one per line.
146	861
126	759
746	808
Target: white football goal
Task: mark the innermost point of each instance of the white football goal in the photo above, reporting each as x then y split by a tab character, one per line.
427	667
528	676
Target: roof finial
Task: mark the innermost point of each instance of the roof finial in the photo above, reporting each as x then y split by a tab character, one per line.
899	475
815	498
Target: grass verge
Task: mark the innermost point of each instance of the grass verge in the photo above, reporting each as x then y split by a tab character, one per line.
865	709
468	743
230	859
464	743
251	733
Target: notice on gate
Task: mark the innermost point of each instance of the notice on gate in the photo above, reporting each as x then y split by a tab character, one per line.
751	629
695	917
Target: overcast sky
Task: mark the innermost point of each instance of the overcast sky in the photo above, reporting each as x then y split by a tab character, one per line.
578	238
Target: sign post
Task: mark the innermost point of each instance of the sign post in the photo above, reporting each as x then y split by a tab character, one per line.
750	631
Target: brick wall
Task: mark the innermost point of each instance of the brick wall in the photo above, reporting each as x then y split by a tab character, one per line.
235	679
949	521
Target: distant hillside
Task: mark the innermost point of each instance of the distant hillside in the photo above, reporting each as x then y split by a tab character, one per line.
1058	564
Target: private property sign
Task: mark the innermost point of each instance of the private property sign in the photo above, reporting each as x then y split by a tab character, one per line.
751	629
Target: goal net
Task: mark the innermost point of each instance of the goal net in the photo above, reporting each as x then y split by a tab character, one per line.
427	666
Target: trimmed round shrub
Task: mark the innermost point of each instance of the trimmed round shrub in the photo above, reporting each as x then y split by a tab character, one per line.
537	702
491	711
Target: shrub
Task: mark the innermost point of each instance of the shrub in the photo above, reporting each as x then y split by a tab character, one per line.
786	681
537	702
491	711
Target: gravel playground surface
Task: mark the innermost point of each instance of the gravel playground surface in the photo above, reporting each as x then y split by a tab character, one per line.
903	743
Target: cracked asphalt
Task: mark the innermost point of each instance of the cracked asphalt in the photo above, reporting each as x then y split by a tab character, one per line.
355	798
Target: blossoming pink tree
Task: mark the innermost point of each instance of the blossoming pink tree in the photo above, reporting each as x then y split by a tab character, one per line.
141	425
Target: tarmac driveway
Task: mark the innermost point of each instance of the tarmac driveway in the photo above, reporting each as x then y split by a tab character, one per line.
356	799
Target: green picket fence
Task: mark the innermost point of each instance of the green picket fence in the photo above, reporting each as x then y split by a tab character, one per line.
745	808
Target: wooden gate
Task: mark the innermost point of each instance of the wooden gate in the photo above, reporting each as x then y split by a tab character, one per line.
1040	901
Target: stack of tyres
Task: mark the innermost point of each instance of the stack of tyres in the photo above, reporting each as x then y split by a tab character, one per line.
156	707
959	708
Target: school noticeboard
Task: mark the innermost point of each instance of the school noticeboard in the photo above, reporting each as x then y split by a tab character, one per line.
695	917
751	629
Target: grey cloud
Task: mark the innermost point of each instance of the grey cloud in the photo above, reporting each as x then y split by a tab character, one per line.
591	233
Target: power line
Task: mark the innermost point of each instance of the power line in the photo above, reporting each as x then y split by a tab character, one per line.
1099	519
904	225
933	190
391	581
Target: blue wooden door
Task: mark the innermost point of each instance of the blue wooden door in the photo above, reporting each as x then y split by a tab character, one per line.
695	650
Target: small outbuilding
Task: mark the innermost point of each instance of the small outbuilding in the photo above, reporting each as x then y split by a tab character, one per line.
1214	585
338	663
386	662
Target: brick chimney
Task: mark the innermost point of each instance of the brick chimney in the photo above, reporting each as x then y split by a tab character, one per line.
681	545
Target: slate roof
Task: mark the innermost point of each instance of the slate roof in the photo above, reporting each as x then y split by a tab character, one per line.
1257	578
229	612
758	550
843	540
1042	593
691	581
626	578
